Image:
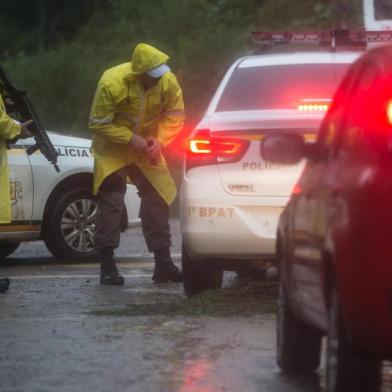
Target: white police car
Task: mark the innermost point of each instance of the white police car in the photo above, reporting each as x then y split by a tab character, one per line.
231	199
56	207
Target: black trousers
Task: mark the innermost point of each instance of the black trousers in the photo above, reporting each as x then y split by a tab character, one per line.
112	217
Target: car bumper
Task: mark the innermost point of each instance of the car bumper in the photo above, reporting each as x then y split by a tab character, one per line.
216	224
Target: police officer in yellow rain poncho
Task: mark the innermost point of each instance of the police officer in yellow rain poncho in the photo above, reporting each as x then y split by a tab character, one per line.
137	110
9	129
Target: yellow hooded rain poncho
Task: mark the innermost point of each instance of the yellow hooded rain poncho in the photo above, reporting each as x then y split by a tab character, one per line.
121	107
9	129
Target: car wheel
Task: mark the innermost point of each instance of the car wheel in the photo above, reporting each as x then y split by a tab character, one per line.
70	226
7	248
298	344
348	367
198	277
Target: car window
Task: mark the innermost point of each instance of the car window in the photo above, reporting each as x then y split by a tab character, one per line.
280	86
353	121
331	126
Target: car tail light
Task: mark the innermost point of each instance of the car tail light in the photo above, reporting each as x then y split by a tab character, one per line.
373	108
297	189
389	112
314	105
204	149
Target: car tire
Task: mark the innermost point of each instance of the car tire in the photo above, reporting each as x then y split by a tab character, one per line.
70	225
348	368
7	248
298	344
199	276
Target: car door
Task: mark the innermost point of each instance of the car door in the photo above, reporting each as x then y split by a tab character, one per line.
362	203
310	217
21	185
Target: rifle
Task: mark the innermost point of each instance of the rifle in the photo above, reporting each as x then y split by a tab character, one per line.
23	106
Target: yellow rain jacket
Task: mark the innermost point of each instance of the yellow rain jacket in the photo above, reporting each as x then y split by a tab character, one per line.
121	107
9	129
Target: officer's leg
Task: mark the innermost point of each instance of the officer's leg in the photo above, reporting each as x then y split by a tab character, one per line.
109	225
154	214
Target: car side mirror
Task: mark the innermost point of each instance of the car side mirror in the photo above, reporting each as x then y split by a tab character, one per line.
283	149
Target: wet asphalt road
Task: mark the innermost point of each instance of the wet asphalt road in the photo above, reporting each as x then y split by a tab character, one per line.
51	340
56	336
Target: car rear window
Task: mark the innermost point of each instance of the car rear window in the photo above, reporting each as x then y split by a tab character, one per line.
280	86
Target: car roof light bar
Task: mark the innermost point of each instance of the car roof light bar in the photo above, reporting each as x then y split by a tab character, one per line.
332	39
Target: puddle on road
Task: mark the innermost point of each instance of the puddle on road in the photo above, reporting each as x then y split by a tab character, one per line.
254	298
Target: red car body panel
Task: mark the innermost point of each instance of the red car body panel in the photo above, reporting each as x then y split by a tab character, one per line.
338	223
363	251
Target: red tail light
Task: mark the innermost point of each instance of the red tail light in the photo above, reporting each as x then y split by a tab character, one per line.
200	146
389	112
204	149
314	105
296	190
373	108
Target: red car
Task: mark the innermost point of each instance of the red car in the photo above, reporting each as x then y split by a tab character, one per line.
334	238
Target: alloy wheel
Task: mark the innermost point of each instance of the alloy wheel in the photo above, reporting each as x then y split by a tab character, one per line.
78	225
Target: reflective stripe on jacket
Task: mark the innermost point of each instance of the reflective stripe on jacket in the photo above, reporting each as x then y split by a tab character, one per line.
9	129
121	107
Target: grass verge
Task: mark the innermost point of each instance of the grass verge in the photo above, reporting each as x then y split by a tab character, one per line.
255	298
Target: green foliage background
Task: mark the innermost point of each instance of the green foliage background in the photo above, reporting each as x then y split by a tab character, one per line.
57	49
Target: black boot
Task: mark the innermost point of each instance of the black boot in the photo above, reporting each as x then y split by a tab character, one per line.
4	285
165	270
109	272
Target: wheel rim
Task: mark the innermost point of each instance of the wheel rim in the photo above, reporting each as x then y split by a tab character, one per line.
78	225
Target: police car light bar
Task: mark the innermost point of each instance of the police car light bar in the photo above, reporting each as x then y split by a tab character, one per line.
331	38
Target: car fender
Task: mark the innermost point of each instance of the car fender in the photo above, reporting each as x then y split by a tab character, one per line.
47	188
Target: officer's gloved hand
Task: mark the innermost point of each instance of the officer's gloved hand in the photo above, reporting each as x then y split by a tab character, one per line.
154	148
24	129
138	142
